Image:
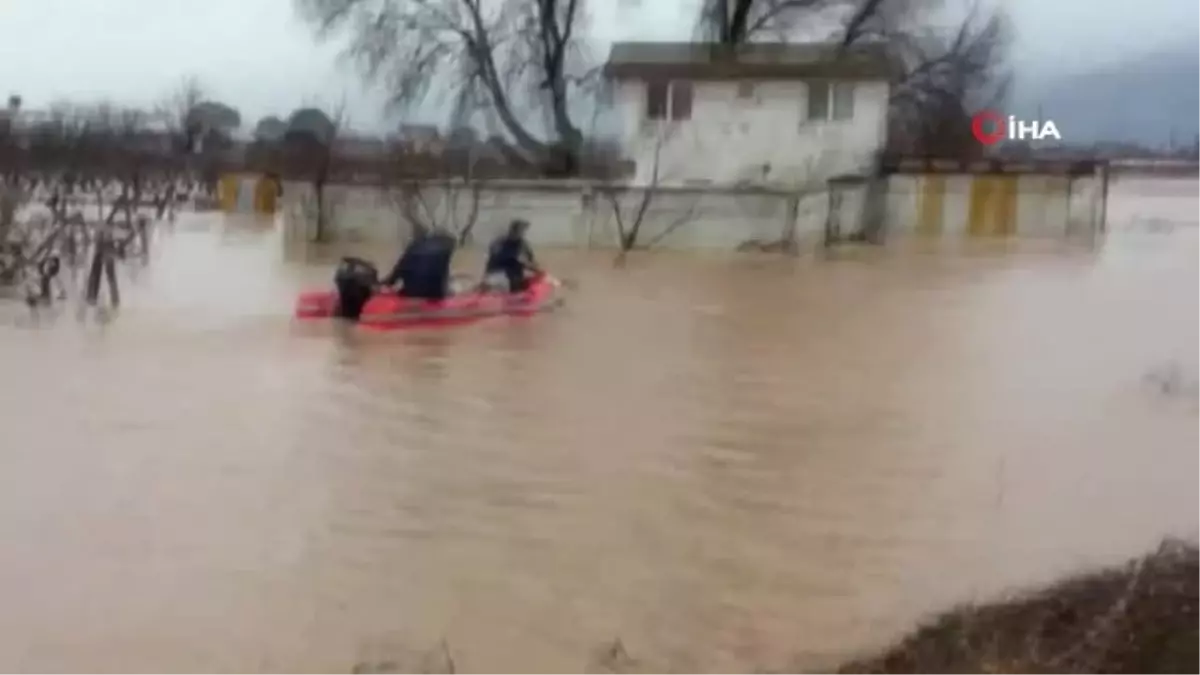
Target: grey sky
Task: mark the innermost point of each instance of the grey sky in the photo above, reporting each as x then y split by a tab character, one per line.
255	55
1076	34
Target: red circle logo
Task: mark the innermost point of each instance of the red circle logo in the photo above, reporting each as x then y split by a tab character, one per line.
980	123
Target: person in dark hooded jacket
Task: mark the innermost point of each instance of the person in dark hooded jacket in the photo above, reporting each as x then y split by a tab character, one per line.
510	256
423	270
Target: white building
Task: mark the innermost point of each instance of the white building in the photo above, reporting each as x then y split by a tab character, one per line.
774	114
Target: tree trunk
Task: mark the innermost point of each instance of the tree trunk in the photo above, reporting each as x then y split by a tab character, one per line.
102	266
8	211
319	188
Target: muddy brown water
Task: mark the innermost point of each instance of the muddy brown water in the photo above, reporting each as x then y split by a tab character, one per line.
727	463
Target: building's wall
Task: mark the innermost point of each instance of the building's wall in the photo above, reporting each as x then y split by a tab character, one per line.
730	140
576	214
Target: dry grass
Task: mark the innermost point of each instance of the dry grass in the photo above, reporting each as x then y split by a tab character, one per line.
1140	617
1137	618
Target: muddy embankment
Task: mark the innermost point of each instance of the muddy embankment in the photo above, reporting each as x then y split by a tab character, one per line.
1140	617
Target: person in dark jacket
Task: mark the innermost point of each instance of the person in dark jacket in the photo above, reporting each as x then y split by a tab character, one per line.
510	256
423	270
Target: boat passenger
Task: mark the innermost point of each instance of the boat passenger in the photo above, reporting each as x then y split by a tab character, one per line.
423	270
510	260
355	280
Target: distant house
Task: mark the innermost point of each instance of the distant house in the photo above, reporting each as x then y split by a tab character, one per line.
758	113
360	147
420	138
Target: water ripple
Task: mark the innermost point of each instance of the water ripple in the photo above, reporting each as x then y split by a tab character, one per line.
725	464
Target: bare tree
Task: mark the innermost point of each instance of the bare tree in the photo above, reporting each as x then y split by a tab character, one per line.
129	158
946	78
451	201
445	198
631	204
86	153
734	22
176	110
806	193
310	143
10	161
945	75
520	61
176	113
61	152
121	154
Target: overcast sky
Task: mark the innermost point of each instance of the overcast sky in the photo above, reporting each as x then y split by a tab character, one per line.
255	55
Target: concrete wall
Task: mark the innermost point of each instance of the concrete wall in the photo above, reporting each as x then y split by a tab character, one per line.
957	205
730	139
576	214
569	214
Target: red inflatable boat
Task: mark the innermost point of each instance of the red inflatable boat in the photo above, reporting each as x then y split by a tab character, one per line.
388	310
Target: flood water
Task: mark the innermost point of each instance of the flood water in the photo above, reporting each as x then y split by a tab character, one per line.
726	463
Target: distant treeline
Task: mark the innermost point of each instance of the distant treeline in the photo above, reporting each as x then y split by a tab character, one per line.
105	143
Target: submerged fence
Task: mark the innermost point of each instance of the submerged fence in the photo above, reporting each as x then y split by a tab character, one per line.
597	214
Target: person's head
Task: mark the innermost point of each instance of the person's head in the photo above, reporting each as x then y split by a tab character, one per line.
517	228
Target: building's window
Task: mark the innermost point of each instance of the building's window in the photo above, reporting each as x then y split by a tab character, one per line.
669	100
681	100
656	100
745	90
818	101
843	101
830	101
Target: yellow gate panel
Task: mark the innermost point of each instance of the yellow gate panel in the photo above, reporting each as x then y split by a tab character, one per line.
227	192
931	205
266	192
979	218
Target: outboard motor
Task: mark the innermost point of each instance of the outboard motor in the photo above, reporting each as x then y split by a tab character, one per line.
355	280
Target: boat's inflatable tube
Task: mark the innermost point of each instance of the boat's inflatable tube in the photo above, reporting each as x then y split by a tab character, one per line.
387	310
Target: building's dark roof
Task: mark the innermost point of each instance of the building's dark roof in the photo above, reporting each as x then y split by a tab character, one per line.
705	61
